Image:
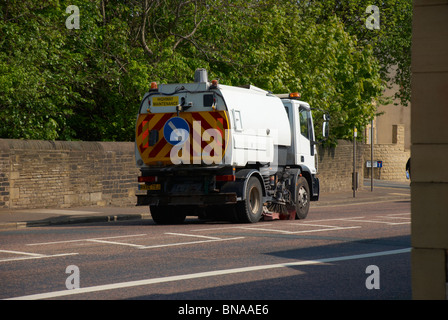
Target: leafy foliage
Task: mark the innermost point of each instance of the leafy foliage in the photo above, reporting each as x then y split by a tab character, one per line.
86	83
391	43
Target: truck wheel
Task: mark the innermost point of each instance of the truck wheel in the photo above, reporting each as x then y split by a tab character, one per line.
167	215
250	210
303	198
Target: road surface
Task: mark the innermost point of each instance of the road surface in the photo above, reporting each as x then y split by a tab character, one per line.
359	251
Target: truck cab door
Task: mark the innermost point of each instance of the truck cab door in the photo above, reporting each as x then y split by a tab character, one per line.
305	148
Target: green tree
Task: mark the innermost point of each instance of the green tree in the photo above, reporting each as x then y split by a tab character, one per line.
391	42
59	83
34	96
273	45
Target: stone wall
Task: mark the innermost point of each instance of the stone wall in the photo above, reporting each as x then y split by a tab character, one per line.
393	155
38	174
429	144
335	167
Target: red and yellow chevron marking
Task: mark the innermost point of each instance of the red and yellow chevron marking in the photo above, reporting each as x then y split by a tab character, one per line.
199	122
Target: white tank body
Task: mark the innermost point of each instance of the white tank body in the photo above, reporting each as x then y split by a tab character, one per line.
259	124
258	121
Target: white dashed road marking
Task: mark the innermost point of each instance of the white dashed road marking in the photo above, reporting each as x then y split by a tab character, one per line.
29	255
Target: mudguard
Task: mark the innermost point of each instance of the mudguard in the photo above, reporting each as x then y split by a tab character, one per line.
239	185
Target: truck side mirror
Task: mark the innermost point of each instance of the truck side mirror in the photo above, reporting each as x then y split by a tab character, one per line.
326	126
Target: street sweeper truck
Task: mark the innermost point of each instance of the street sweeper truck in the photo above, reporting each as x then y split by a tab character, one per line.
216	151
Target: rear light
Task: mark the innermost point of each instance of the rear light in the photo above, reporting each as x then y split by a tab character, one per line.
227	177
147	179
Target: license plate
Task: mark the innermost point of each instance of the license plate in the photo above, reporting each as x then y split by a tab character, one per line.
149	187
188	187
165	101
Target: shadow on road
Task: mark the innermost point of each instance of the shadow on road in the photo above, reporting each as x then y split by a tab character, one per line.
338	280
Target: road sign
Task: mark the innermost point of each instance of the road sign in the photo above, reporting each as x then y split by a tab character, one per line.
176	131
376	164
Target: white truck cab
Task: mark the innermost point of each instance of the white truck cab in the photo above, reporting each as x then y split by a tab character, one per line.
303	146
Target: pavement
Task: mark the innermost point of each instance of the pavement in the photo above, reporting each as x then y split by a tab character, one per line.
11	219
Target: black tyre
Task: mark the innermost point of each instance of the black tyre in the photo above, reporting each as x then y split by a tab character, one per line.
167	214
303	198
250	210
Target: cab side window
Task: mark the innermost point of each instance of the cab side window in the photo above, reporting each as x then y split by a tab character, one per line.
304	116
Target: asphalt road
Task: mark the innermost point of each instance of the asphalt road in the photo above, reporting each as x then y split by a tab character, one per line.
327	256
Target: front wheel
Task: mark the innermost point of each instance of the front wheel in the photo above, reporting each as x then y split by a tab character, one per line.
303	198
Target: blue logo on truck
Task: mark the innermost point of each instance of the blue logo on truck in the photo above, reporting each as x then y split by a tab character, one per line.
176	131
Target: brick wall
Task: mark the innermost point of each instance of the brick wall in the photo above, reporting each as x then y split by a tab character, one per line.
4	174
335	167
38	174
393	155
